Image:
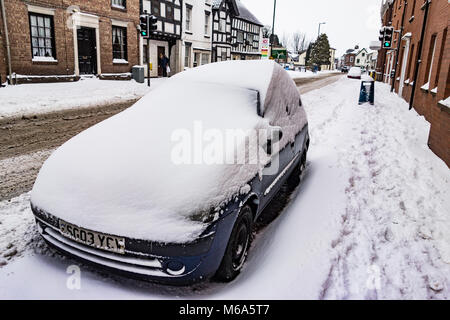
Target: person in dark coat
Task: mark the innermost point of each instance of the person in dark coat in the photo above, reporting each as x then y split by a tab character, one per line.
163	63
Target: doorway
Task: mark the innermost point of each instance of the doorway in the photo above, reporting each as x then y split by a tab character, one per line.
87	50
161	50
403	68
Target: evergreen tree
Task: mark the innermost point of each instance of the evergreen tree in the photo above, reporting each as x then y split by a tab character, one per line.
308	54
320	51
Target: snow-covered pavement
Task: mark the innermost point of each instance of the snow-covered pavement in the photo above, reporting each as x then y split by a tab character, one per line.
29	99
371	220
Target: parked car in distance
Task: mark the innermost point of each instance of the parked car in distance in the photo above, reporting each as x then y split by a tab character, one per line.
124	196
354	73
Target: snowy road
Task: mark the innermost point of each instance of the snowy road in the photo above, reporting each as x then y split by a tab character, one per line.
370	221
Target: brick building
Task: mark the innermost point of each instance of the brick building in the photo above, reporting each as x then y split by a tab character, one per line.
428	89
349	57
61	39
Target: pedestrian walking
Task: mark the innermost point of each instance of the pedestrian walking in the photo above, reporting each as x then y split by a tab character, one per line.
164	64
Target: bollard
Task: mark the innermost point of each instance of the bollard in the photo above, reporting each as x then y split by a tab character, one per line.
367	93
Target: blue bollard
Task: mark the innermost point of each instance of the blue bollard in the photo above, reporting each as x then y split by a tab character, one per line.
367	93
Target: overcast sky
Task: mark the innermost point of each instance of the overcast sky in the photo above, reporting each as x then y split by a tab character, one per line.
348	22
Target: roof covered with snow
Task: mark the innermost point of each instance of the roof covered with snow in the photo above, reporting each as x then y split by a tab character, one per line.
245	14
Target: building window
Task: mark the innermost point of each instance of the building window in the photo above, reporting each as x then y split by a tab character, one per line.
411	61
430	59
169	12
121	4
207	14
187	55
42	36
155	8
413	8
441	55
188	17
205	58
240	36
119	42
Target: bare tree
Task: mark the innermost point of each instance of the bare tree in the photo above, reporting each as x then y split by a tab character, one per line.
285	39
299	41
267	31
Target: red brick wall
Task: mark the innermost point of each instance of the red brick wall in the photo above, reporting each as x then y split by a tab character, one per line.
426	102
18	24
3	62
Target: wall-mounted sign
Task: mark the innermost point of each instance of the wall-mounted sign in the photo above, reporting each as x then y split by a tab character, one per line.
265	48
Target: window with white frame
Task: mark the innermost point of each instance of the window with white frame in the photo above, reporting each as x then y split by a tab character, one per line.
187	55
207	15
188	17
42	35
119	43
240	36
121	4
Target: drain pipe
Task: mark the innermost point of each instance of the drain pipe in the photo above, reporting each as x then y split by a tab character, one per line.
8	49
419	53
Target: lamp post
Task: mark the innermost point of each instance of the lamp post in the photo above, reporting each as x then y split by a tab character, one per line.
273	25
321	23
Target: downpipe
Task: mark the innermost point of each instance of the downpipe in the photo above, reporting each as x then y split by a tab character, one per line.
8	48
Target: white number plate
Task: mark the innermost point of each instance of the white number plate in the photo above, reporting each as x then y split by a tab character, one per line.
92	238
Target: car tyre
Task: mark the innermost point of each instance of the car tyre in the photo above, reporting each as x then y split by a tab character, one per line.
237	248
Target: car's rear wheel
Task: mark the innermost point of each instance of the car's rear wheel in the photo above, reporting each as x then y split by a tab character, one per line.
238	246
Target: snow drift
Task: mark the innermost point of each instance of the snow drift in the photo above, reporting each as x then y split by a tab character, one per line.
118	176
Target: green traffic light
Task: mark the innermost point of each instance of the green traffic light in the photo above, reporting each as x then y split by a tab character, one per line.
387	44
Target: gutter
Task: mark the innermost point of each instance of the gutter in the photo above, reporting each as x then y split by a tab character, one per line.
8	49
425	7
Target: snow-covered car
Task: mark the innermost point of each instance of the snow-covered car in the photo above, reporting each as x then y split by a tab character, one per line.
354	73
134	194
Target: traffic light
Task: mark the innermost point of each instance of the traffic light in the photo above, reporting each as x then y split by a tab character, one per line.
153	23
144	24
381	37
387	39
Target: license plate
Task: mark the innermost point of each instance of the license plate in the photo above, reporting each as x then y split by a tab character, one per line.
91	238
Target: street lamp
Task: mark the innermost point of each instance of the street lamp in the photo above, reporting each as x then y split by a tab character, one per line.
318	35
273	25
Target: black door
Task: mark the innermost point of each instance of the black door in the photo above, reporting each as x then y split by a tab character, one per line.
87	51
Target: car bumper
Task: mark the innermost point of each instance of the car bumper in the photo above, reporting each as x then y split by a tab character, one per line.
173	264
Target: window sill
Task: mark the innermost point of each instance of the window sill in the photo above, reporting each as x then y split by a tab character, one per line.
119	8
188	32
44	60
206	36
425	87
411	19
120	61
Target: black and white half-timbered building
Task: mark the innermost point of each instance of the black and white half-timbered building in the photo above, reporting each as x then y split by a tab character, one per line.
246	35
167	38
237	32
223	12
